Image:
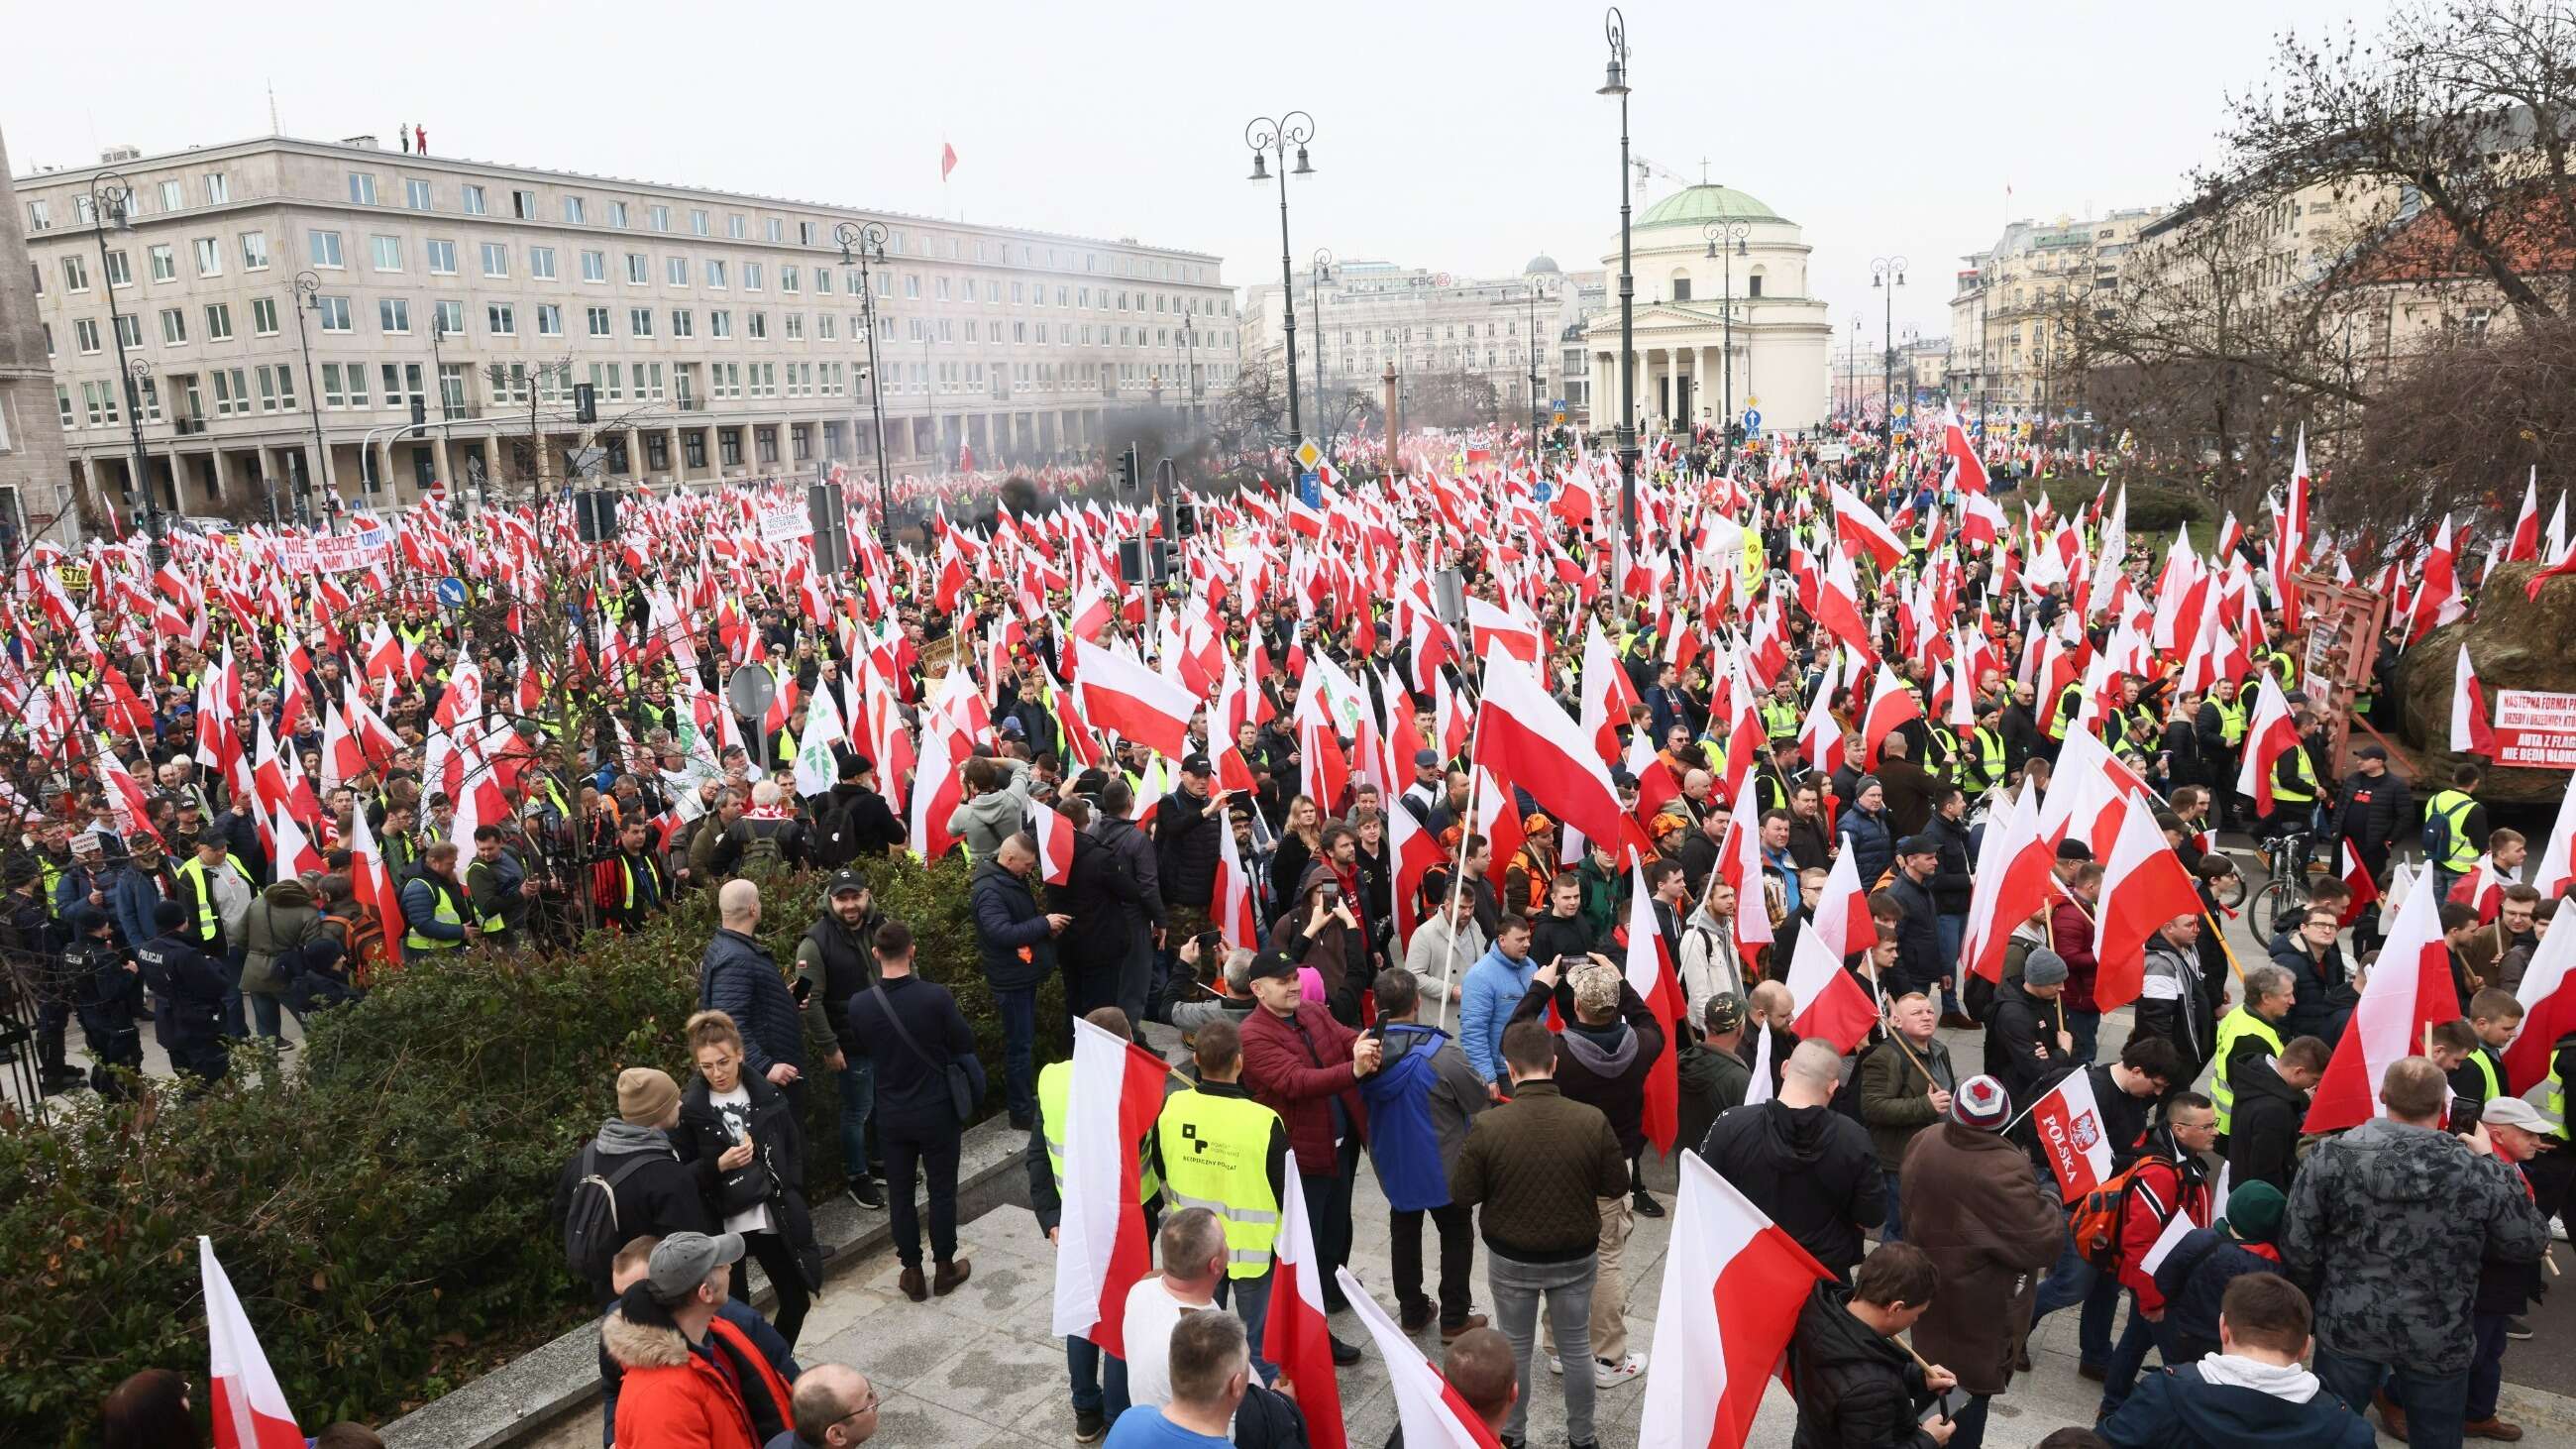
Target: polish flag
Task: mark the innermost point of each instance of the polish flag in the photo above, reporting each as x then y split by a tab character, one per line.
2549	998
1890	705
2272	733
1821	735
2481	890
2409	989
1608	692
248	1408
1101	1247
374	885
1525	740
1829	1001
2470	732
2525	545
2357	879
1739	864
1652	978
2437	602
1232	901
1415	853
1862	530
1501	629
2143	887
1954	441
936	789
1432	1413
1299	1339
1054	835
1980	521
2555	865
2069	1123
1120	694
1734	1284
294	852
1842	910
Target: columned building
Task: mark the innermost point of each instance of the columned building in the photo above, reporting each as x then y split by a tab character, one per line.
1690	361
723	335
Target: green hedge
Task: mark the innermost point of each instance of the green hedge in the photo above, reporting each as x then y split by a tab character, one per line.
382	1210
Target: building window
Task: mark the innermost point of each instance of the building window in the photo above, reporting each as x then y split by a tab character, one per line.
451	387
442	258
219	322
823	326
594	267
1753	285
174	326
129	330
210	254
75	274
85	334
661	217
63	405
401	386
788	282
715	272
165	264
323	247
496	259
675	270
698	224
334	312
450	320
681	322
639	269
219	188
473	201
388	253
541	263
598	321
759	325
549	320
795	326
733	226
40	217
751	276
639	321
276	389
719	324
575	213
119	272
362	188
617	214
416	195
523	205
393	316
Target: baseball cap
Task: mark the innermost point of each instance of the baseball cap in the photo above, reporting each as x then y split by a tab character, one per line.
683	1260
2073	849
1197	765
1918	845
2515	1112
848	882
1271	966
2370	752
1981	1102
1425	760
1724	1012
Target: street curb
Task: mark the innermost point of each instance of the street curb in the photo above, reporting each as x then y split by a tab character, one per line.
541	1388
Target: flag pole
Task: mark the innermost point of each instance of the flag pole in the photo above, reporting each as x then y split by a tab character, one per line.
1458	872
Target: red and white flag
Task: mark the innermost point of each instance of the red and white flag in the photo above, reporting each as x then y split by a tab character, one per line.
1054	835
2481	890
2357	879
2549	1001
1862	530
2143	888
2525	544
1101	1246
2272	733
1120	694
1432	1413
1651	977
1298	1338
2471	734
2409	989
1954	441
374	884
1231	901
248	1408
1890	704
1734	1284
935	786
1739	864
1526	741
1829	1002
2555	865
2069	1123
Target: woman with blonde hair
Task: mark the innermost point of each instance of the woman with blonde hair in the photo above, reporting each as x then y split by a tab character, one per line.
1301	835
742	1136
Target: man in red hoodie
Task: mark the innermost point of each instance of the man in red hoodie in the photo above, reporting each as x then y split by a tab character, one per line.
2070	930
1302	1064
2170	1181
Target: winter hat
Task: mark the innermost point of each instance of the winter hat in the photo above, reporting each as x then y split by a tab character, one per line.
2254	1211
646	1095
2043	967
1982	1103
1863	785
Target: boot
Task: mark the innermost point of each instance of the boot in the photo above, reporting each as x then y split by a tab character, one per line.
913	1287
2492	1427
945	1281
2391	1417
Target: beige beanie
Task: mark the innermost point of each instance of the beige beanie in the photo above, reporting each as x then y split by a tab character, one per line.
646	1095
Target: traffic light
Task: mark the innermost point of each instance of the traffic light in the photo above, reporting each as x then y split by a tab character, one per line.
419	411
585	403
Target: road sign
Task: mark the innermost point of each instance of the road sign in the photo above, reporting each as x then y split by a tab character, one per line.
1560	415
1557	406
1310	489
1752	419
1543	491
1308	455
451	592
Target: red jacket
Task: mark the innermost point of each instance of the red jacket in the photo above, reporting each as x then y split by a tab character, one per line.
672	1397
2070	935
1300	1085
2154	1194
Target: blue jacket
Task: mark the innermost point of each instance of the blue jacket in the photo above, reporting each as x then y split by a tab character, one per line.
1495	985
420	909
2194	1277
1873	850
136	893
739	977
2179	1409
1419	1105
1008	922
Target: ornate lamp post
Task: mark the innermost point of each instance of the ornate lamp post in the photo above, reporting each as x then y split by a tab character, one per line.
1615	26
1320	273
108	197
1269	138
308	298
1887	274
863	242
1726	241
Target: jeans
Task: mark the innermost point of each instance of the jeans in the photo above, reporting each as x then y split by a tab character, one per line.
2072	1281
1136	978
2436	1407
2086	1028
266	1014
1099	1379
235	1026
2129	1355
1968	1429
1516	1289
1252	1305
1457	1230
908	1157
1893	1230
1328	1217
778	1259
2486	1371
1019	1011
858	1101
1954	931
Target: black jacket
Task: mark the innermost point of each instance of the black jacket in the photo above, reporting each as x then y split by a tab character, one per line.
2322	996
855	821
1811	1169
188	989
2021	1042
2194	1278
1015	947
2263	1127
1952	884
1103	900
1134	854
2371	813
739	977
662	1197
912	1092
2179	1409
775	1175
1855	1390
1185	849
1918	940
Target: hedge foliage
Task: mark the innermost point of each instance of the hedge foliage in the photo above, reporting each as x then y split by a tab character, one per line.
381	1202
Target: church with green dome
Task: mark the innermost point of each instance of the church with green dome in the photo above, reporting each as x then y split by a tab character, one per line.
1725	324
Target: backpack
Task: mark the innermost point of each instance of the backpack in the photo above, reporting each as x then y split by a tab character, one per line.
591	1233
362	939
2097	1219
759	852
835	843
2437	836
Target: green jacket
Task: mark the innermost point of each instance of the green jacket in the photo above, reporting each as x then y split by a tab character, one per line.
1893	1104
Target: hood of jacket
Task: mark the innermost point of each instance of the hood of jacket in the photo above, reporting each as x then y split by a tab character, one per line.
2394	1163
617	1136
1604	1051
995	810
2226	1400
1799	1131
1828	1334
287	895
635	1345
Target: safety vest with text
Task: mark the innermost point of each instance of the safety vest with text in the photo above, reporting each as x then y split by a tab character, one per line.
1216	1155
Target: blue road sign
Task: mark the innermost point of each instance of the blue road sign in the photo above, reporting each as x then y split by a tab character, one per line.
1543	492
1752	419
1310	490
451	592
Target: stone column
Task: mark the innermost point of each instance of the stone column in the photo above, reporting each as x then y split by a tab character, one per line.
635	455
679	460
384	464
438	464
223	477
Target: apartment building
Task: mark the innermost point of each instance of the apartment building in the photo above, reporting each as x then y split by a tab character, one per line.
287	304
2007	309
1362	317
35	492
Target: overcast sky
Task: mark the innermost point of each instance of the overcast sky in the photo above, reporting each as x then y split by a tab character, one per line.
1452	136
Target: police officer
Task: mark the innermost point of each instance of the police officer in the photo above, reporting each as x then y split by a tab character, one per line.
1227	1153
188	989
107	995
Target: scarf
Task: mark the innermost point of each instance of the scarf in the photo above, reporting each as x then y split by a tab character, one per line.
2287	1382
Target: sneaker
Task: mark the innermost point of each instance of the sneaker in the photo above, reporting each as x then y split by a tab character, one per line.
2517	1330
1089	1426
1609	1375
1023	1121
1344	1354
864	1192
1555	1365
1644	1204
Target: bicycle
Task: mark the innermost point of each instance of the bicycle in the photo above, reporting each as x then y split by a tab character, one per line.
2285	888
